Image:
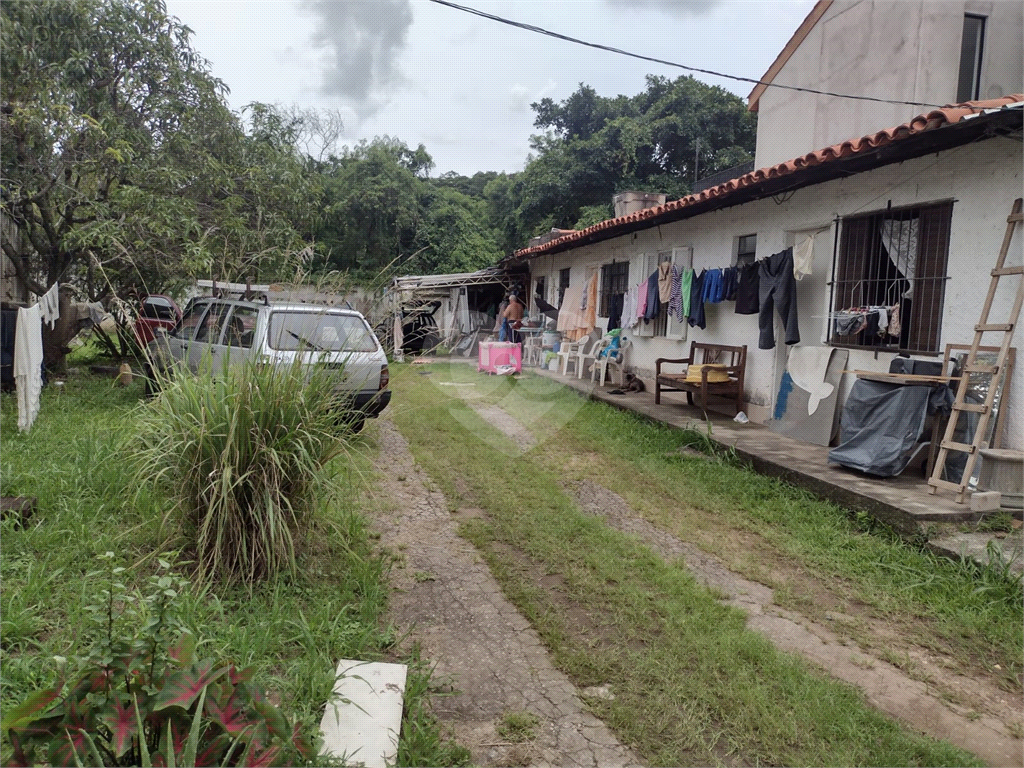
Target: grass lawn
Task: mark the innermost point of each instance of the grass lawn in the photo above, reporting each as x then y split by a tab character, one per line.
693	686
292	631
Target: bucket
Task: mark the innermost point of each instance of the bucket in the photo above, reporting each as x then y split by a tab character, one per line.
556	346
549	338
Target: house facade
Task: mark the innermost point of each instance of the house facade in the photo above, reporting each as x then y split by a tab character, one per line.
911	214
924	53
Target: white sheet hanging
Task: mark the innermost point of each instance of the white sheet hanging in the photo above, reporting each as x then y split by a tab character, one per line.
28	362
803	255
49	305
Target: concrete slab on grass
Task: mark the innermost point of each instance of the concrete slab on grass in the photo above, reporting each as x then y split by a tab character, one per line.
363	719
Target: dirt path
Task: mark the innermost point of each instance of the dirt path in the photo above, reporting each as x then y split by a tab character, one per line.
448	601
923	705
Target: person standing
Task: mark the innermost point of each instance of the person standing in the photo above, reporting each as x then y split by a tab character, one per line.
513	315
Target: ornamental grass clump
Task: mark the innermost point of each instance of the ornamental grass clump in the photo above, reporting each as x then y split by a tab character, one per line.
242	455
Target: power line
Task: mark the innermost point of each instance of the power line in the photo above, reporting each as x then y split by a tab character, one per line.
621	52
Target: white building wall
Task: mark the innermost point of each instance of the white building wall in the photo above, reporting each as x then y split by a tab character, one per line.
903	50
983	178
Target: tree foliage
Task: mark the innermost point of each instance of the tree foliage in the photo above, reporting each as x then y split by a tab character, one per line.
661	140
383	214
123	167
121	157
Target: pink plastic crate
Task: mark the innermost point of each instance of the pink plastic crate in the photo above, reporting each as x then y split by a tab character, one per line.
494	353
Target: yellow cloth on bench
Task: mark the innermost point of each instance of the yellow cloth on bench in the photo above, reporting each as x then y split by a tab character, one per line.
716	374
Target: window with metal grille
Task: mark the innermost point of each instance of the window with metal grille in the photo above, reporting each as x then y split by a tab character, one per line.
614	280
539	289
563	284
894	260
969	81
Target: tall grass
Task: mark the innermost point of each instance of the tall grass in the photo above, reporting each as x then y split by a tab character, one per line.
242	457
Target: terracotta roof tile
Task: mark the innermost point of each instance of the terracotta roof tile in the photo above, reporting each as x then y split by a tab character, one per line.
929	121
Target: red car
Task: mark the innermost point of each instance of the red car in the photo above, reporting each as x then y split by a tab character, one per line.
156	311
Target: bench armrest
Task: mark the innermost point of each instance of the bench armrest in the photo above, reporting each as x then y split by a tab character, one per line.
671	361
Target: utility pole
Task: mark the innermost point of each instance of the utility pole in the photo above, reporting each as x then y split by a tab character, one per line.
696	160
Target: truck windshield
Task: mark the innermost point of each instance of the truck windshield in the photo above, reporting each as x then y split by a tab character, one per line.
320	331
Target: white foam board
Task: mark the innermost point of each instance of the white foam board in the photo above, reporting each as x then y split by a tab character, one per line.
363	718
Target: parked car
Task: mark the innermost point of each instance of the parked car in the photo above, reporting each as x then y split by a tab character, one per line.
155	311
217	332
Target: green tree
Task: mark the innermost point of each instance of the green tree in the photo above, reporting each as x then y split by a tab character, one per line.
383	214
122	166
453	235
593	147
371	206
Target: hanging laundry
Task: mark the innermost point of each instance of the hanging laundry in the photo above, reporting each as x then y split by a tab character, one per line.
590	315
675	301
696	316
713	287
803	255
49	305
894	322
871	326
629	308
730	282
685	290
849	322
883	319
664	282
28	364
777	289
641	301
748	298
653	297
569	316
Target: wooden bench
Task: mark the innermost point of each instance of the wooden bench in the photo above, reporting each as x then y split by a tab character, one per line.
732	359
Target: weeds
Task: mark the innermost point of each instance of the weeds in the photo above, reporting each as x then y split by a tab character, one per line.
242	455
518	727
290	630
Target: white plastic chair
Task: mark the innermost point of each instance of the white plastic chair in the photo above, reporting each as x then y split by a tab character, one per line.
531	350
616	361
592	355
573	351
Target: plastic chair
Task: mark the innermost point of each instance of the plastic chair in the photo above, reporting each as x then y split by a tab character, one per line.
531	350
574	351
616	361
592	355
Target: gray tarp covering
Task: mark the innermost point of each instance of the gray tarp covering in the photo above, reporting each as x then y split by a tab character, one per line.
882	423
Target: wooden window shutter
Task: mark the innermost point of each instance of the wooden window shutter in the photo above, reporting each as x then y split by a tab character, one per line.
930	278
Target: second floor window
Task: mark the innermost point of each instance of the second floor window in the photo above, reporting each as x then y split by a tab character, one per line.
969	81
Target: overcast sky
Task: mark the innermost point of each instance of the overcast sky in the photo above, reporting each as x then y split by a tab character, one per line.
462	85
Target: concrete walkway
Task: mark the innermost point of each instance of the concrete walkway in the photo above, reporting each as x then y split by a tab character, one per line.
902	502
447	601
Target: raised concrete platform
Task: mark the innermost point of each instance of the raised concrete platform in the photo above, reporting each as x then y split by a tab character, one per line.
901	502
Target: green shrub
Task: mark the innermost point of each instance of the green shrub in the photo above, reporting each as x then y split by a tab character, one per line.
242	456
141	697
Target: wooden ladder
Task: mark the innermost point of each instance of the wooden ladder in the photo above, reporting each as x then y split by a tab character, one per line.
972	366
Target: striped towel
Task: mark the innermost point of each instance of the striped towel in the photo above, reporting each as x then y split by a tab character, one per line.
675	301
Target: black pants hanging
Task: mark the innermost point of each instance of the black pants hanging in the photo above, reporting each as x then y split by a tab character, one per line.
777	288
